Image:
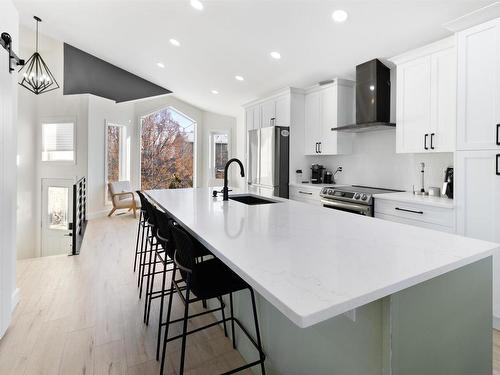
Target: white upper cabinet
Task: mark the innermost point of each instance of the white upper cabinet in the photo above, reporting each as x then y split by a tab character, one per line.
426	98
268	113
272	111
282	111
328	107
252	117
478	125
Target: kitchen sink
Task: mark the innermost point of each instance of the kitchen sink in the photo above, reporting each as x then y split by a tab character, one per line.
251	200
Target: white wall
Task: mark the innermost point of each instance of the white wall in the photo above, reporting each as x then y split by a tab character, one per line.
8	150
374	162
101	111
33	110
215	122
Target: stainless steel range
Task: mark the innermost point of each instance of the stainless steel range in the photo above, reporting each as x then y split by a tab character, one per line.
355	199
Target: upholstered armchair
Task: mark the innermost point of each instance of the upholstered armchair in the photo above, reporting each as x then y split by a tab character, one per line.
123	197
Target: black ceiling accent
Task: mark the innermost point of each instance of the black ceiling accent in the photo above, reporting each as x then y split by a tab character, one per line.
87	74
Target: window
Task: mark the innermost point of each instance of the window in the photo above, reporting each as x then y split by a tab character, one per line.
219	154
58	141
167	150
58	207
116	164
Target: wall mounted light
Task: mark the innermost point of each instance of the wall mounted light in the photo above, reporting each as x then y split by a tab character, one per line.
37	77
6	43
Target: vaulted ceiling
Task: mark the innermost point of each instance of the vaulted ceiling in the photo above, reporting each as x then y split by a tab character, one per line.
235	37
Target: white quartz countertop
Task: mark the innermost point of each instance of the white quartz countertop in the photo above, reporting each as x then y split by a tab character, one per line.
313	264
417	199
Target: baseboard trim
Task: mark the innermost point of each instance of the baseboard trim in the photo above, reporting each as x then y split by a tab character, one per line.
15	298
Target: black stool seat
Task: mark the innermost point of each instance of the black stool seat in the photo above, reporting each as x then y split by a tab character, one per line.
212	279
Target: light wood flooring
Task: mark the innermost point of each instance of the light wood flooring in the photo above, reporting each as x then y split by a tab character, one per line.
82	315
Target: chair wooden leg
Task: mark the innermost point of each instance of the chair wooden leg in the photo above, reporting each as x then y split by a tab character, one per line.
112	211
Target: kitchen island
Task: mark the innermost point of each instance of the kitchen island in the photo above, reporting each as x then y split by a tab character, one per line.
416	292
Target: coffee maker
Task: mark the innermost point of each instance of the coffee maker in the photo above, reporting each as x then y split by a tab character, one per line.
448	183
317	171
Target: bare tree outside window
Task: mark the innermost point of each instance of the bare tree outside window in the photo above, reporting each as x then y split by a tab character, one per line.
113	153
167	150
221	154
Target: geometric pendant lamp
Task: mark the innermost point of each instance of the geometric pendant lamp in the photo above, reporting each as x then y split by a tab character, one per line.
37	76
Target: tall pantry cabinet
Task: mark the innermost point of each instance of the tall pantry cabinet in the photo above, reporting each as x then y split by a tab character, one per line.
477	160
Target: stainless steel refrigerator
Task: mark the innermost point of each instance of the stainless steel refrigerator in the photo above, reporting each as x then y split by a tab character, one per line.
268	161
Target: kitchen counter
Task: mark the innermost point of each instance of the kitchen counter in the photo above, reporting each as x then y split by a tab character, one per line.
417	199
314	264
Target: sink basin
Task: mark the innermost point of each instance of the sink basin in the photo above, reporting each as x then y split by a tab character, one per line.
251	200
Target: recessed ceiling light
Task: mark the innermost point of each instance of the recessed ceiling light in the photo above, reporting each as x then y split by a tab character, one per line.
175	42
275	55
215	92
197	4
339	15
160	65
239	78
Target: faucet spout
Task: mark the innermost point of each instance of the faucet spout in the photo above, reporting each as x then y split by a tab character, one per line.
225	189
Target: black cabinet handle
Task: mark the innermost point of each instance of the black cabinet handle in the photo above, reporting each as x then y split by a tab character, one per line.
305	192
319	143
498	164
498	134
413	212
425	142
316	147
432	140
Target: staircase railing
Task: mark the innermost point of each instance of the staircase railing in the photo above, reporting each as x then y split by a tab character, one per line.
79	215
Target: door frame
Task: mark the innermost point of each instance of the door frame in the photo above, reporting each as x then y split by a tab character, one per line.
44	200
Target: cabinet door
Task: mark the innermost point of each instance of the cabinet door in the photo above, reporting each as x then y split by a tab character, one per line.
328	120
479	87
249	118
268	112
312	123
444	108
477	197
413	104
282	105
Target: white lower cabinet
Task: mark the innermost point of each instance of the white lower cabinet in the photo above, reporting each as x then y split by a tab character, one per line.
425	216
477	193
306	194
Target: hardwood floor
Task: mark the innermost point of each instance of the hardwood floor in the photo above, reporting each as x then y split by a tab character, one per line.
82	315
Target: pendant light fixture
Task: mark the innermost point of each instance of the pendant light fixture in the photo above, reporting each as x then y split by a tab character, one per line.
37	76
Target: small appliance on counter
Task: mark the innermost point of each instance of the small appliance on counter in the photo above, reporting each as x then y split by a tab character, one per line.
448	183
317	171
328	177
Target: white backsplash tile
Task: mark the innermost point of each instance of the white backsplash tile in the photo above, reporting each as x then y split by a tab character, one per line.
374	162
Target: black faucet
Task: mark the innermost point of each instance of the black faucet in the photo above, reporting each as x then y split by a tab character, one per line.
225	190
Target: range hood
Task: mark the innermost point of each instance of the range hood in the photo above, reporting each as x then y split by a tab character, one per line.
373	98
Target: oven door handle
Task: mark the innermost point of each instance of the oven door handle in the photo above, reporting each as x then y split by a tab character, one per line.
346	206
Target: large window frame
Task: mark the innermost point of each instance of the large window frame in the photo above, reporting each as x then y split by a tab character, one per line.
139	143
124	156
58	120
212	176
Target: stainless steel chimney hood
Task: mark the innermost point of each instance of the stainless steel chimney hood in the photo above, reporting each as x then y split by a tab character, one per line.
373	99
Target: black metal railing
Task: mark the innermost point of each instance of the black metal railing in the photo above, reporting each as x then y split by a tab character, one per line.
79	223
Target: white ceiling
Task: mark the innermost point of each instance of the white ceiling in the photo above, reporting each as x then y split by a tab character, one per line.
234	37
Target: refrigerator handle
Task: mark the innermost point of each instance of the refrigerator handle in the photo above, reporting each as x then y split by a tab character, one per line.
498	134
497	165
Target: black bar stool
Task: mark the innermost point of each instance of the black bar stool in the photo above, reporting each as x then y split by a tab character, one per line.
143	219
205	280
166	257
